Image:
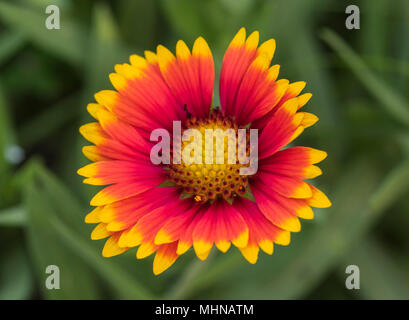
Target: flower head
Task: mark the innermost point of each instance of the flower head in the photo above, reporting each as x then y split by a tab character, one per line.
169	207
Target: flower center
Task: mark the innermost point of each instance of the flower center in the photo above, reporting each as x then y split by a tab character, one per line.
209	165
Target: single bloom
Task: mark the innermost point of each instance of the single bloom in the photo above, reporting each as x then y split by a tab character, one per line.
165	209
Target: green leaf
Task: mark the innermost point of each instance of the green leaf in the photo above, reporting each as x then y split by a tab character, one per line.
105	49
184	16
77	279
43	125
10	43
395	184
374	37
138	20
402	47
380	276
7	136
403	140
122	282
15	275
392	101
237	7
67	42
13	217
60	217
167	183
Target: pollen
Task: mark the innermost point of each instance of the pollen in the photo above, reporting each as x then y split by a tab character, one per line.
210	166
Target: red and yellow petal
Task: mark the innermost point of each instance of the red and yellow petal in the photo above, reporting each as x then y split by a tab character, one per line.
262	233
281	130
111	247
186	235
121	191
100	232
123	132
189	75
146	249
286	186
273	210
93	216
118	171
141	91
220	224
248	87
318	198
126	213
165	256
174	227
308	120
258	92
107	147
292	91
296	162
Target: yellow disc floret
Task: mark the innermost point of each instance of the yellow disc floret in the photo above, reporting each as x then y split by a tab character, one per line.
209	166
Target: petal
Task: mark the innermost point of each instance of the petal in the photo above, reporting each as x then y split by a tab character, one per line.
117	171
165	256
203	235
93	216
92	153
247	84
219	224
111	247
142	91
123	132
238	57
93	132
318	199
190	76
292	91
309	119
250	252
174	227
109	148
146	249
100	232
258	92
186	236
261	231
296	162
125	214
281	130
121	191
303	99
284	185
273	210
147	227
297	207
229	226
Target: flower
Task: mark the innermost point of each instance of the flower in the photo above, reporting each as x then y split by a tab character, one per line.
168	208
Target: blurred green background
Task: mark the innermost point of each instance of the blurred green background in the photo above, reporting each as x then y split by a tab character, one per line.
359	80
